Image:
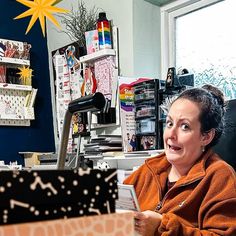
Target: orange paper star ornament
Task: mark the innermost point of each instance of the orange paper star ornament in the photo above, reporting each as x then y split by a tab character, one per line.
39	9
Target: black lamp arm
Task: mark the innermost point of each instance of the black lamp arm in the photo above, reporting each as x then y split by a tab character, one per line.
93	102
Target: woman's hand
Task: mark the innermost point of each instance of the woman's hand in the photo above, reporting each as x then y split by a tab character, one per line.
146	222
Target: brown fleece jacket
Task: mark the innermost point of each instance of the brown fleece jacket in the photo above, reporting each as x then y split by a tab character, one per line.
201	203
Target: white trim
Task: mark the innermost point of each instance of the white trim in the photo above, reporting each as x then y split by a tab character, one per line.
177	5
169	13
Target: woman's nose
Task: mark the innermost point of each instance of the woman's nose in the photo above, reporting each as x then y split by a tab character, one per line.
172	132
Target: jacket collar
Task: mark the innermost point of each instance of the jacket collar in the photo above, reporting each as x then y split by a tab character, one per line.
158	164
197	171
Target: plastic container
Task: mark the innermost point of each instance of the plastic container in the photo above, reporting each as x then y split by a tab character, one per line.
145	126
145	110
104	31
144	94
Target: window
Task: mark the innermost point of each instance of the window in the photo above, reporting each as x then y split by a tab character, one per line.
200	36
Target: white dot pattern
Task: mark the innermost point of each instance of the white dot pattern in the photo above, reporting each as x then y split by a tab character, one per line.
12	103
56	194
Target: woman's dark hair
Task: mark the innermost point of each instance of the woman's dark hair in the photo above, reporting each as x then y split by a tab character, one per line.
212	108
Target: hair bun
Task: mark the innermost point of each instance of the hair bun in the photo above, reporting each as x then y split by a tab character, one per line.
216	93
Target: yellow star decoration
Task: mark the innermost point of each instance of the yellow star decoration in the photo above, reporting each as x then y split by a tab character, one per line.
25	75
40	9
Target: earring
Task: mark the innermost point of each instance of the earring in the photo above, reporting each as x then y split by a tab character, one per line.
203	148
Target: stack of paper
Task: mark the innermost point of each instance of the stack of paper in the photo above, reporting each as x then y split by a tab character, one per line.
102	144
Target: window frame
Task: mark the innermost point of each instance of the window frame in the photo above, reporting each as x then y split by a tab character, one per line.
169	13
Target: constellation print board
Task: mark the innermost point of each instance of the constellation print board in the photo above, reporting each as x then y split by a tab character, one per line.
28	196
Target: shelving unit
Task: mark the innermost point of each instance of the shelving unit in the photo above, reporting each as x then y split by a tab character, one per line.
15	99
110	118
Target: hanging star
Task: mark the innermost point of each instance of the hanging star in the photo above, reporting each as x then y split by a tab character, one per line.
25	75
40	9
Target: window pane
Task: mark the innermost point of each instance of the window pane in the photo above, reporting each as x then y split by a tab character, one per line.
206	45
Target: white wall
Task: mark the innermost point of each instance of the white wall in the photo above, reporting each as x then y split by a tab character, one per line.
120	12
139	33
139	37
146	28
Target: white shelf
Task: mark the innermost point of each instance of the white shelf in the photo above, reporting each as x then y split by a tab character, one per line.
15	87
16	61
11	117
96	55
95	126
126	158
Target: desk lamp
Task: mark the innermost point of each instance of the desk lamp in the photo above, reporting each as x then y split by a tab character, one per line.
89	103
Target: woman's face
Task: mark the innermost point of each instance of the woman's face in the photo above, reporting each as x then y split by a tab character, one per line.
183	140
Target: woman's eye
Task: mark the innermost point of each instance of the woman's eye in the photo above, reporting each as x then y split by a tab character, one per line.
168	124
185	126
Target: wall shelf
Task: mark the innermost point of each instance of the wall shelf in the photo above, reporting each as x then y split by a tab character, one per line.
15	87
96	55
16	100
11	117
16	61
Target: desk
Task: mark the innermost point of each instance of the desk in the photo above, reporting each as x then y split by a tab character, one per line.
115	224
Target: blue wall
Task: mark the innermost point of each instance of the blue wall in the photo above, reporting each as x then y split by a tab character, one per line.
38	137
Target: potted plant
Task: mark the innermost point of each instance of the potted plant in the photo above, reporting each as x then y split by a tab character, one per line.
78	21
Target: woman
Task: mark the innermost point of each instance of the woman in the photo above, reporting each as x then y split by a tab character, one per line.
188	190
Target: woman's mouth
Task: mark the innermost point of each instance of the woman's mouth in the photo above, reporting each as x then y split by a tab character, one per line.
174	147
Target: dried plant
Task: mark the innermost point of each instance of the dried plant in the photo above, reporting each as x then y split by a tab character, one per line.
78	21
166	104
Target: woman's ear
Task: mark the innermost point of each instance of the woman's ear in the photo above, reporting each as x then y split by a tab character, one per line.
208	137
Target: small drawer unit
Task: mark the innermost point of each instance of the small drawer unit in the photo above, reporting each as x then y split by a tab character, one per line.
146	113
150	118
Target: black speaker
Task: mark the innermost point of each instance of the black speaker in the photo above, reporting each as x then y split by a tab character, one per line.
184	80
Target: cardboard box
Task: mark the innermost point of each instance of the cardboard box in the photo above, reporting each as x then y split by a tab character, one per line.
32	158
